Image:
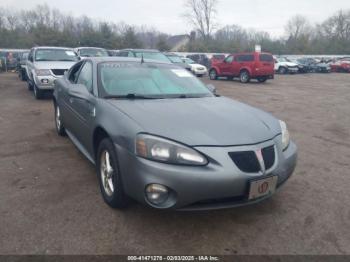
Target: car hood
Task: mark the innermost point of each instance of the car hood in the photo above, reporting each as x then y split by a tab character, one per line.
54	65
197	66
288	64
212	121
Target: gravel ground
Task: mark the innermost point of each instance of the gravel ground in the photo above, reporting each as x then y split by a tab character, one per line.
50	201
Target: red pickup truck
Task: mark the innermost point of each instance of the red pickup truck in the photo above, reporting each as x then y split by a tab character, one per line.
245	66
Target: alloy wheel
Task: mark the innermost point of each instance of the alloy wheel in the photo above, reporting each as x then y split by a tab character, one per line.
107	173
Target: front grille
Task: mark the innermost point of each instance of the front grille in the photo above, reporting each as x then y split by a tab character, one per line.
58	72
269	156
248	162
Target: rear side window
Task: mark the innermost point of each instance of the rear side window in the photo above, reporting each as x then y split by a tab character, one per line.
245	58
266	58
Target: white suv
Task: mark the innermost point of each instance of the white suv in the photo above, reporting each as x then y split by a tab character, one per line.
284	66
45	65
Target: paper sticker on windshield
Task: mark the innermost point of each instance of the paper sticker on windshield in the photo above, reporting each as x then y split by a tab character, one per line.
70	53
182	73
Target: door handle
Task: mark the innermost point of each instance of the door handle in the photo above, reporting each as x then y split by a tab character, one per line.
71	100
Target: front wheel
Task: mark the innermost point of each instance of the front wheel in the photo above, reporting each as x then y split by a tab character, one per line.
58	122
29	85
282	70
213	75
244	76
38	94
108	172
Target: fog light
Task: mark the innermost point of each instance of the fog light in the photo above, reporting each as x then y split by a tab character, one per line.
157	194
45	81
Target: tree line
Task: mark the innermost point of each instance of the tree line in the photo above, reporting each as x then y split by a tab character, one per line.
46	26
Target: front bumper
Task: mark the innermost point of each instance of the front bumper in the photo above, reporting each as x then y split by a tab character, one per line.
218	185
45	82
293	70
200	72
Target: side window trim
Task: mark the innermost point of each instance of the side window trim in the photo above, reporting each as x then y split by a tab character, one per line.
92	76
77	73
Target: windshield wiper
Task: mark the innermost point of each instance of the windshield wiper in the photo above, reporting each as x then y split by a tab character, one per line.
132	96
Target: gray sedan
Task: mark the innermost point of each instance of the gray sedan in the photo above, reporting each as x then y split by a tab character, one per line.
160	136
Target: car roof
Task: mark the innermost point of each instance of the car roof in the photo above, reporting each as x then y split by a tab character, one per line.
141	50
89	47
98	60
52	47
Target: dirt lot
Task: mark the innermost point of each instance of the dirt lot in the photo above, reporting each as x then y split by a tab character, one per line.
50	201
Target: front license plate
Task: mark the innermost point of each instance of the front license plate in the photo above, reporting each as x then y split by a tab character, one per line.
262	187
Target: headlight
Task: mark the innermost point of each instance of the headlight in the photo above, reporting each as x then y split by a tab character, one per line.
285	135
42	72
166	151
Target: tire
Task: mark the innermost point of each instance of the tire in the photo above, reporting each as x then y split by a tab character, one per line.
213	75
109	177
282	70
30	86
262	79
58	122
38	94
244	76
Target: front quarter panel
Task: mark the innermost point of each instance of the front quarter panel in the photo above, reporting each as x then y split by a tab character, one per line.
120	127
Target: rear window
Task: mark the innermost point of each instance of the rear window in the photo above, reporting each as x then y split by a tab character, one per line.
245	58
266	58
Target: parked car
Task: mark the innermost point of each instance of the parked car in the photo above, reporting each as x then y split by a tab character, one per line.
47	64
245	66
160	136
22	66
314	66
342	65
145	53
175	59
113	52
201	59
302	66
196	69
85	52
285	66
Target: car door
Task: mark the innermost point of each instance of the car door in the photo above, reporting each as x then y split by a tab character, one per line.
83	109
237	64
69	79
225	66
30	66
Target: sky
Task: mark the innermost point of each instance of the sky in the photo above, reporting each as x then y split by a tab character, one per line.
166	15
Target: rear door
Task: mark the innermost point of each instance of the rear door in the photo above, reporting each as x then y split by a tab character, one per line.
265	64
30	65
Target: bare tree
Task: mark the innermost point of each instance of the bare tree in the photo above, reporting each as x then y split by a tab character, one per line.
202	14
297	27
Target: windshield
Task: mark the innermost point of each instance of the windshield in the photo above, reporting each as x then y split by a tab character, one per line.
55	55
175	59
153	56
148	80
189	61
282	59
93	52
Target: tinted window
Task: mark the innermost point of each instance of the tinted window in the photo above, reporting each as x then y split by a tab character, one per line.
55	55
93	52
244	58
266	58
160	80
152	55
229	59
85	76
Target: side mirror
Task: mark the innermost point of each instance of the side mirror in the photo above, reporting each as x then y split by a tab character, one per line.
212	88
79	91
